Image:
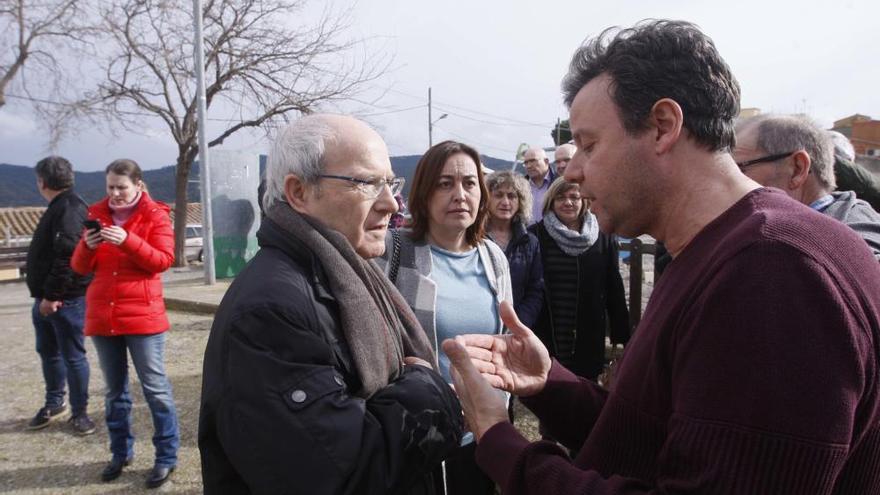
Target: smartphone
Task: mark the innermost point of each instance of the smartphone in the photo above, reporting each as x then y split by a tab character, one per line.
92	225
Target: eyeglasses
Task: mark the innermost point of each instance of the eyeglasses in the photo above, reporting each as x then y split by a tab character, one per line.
574	198
371	188
763	159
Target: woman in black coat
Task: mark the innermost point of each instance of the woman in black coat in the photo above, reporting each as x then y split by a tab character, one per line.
584	293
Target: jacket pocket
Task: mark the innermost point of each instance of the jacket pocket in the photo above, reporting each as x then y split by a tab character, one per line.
148	294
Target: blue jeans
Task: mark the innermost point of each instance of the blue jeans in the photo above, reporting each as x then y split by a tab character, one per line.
148	356
61	346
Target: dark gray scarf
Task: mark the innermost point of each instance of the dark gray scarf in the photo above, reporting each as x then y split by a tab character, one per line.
378	325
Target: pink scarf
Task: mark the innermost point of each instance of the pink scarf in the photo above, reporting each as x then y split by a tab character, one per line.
121	214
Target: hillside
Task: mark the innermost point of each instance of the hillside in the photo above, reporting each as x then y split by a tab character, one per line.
18	184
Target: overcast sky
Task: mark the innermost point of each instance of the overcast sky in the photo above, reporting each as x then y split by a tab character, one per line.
495	67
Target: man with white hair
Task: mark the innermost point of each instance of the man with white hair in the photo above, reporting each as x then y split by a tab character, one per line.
540	177
316	375
562	156
795	155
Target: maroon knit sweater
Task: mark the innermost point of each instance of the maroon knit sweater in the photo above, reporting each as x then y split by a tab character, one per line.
754	371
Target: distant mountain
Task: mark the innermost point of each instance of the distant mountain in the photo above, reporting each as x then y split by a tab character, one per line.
18	183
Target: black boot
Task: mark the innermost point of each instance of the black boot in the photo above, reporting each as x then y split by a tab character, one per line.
158	476
114	468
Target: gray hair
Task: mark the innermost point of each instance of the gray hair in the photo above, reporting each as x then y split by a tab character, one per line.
298	150
843	148
520	186
789	133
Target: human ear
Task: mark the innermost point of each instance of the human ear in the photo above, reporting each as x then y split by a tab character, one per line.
666	118
801	169
295	192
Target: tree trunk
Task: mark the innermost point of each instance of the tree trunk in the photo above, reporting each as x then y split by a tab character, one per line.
181	179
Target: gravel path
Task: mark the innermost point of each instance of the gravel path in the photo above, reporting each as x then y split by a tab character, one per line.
54	460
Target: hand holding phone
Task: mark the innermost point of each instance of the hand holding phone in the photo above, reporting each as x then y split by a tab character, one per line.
92	235
92	225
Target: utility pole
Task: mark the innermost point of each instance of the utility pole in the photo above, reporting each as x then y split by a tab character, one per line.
432	122
204	169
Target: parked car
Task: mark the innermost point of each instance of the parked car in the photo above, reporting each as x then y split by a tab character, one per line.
193	244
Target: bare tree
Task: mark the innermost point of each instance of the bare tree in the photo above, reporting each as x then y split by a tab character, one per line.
31	35
256	66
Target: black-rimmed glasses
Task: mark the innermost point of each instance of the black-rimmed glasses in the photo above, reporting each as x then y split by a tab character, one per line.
764	159
372	188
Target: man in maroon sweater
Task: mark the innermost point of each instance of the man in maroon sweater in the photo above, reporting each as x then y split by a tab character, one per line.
756	369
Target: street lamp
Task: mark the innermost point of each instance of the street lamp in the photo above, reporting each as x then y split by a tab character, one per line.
431	129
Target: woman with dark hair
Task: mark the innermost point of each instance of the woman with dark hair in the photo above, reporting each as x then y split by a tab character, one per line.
132	244
449	273
582	283
510	207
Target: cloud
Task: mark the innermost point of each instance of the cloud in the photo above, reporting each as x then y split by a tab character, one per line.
16	126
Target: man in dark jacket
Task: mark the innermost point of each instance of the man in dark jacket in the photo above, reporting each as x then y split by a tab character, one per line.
316	377
58	294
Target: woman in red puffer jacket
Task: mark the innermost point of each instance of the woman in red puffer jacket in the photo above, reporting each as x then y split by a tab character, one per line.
125	312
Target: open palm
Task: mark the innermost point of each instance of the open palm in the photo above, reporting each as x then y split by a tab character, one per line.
516	362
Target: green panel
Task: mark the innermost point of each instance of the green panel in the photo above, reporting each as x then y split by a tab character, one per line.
231	254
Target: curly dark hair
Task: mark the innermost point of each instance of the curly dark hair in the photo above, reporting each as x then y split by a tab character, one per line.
658	59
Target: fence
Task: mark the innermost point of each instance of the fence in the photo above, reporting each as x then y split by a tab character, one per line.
637	249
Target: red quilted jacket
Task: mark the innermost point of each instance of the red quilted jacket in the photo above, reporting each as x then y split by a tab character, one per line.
125	297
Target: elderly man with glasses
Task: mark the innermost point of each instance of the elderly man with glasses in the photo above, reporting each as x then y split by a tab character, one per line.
795	155
540	176
316	375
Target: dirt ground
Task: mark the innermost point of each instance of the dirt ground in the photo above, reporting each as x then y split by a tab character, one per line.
55	461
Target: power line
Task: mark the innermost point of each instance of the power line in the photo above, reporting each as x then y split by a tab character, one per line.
469	140
476	112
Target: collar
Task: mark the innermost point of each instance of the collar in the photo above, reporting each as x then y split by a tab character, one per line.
822	203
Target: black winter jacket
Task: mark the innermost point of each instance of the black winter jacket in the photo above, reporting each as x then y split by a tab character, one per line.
601	304
277	412
49	275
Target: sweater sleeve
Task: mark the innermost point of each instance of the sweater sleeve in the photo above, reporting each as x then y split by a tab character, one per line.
767	370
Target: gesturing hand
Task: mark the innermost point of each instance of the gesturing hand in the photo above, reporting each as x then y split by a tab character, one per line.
516	362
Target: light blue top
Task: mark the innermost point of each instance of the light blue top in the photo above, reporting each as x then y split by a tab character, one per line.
465	300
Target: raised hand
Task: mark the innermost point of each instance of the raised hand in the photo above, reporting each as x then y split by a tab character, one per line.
516	362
